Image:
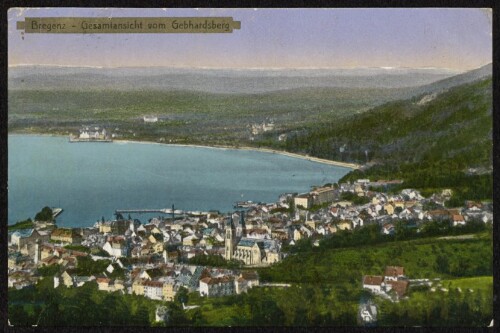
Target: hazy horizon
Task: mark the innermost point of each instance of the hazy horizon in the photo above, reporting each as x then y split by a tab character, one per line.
458	39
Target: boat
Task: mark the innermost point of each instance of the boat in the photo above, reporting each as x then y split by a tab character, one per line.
243	204
56	212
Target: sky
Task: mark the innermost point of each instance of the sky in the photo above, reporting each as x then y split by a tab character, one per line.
458	39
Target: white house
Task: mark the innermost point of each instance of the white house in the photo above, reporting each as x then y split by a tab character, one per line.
150	119
373	283
116	247
153	289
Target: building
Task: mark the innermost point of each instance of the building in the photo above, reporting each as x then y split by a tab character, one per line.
153	289
400	287
169	289
95	133
394	273
252	251
150	119
116	247
245	281
214	287
303	200
373	283
323	195
69	236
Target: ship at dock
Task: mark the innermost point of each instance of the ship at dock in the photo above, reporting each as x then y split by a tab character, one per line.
91	134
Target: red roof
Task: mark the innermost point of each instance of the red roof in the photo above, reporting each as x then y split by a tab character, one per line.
399	287
394	271
223	279
373	280
157	284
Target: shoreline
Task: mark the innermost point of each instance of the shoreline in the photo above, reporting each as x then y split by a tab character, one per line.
352	166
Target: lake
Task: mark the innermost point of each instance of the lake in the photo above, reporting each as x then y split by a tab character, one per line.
91	180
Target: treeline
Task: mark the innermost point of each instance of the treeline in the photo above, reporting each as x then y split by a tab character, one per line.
298	305
84	306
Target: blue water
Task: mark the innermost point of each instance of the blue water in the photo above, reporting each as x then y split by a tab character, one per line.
92	180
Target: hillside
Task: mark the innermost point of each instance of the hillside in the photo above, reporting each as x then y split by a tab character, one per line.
188	116
455	125
443	140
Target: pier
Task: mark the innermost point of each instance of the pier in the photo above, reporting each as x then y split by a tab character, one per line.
161	211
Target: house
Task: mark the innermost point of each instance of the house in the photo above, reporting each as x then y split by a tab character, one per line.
388	229
116	246
438	214
24	238
169	289
373	283
245	281
150	119
214	287
103	283
87	133
457	220
473	206
344	225
303	200
400	287
138	287
389	208
153	289
69	279
190	240
393	273
63	235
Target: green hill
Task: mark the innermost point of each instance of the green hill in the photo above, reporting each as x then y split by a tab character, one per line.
455	125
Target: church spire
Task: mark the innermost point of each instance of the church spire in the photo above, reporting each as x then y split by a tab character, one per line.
229	238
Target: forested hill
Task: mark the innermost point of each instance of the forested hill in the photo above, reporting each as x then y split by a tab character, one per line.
455	126
430	141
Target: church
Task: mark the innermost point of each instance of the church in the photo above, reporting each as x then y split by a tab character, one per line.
253	252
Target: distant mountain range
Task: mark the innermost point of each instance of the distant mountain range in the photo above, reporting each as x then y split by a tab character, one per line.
218	80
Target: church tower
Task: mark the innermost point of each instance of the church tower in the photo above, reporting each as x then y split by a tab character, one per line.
229	238
242	224
38	251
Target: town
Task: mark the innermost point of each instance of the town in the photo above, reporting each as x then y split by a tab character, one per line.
217	254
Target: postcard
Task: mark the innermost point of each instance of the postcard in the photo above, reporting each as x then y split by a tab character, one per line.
215	167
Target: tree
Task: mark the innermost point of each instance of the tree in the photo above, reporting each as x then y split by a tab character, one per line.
44	215
182	296
442	264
